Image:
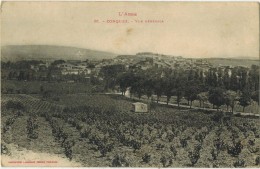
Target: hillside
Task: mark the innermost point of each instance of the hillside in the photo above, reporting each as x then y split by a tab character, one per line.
47	52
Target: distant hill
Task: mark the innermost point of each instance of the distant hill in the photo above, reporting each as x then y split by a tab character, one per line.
233	61
48	52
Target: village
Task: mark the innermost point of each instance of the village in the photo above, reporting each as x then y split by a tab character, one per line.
56	70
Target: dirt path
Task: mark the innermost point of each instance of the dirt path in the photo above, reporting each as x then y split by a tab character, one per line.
22	157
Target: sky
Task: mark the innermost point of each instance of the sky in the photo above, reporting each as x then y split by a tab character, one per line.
190	29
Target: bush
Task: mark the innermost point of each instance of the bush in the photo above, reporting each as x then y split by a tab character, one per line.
199	137
173	150
105	148
214	154
257	160
239	163
159	146
119	161
146	158
194	157
183	143
4	149
219	144
166	161
235	150
136	145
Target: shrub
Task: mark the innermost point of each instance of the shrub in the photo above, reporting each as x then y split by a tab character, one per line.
31	126
136	145
239	163
68	148
159	146
4	149
85	133
194	157
173	150
163	160
219	144
199	137
257	160
214	154
235	150
146	158
105	148
197	147
183	143
166	161
119	161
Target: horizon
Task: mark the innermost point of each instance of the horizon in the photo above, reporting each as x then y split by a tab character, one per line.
133	54
191	30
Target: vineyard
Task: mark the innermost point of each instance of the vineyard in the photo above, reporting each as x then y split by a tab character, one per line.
31	104
99	131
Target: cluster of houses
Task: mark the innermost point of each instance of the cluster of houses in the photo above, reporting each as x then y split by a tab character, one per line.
74	67
147	60
142	61
86	69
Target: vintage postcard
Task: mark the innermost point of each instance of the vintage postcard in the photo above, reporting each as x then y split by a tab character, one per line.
130	84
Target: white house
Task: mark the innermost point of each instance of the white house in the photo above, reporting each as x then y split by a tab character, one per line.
139	107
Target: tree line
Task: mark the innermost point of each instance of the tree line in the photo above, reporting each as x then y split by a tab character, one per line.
220	86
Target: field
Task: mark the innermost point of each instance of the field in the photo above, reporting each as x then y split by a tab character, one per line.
101	131
34	87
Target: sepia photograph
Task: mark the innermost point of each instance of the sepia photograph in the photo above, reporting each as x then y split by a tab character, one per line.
130	84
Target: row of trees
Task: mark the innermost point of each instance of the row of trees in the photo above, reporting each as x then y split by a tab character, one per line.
218	86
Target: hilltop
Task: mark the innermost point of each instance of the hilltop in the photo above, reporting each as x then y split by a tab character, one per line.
50	52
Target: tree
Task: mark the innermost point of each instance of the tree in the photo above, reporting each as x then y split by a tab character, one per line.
230	99
179	93
169	88
124	80
245	98
110	73
226	78
217	97
158	88
137	87
242	74
255	96
220	77
191	93
180	81
148	87
203	96
254	77
234	80
212	79
191	75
